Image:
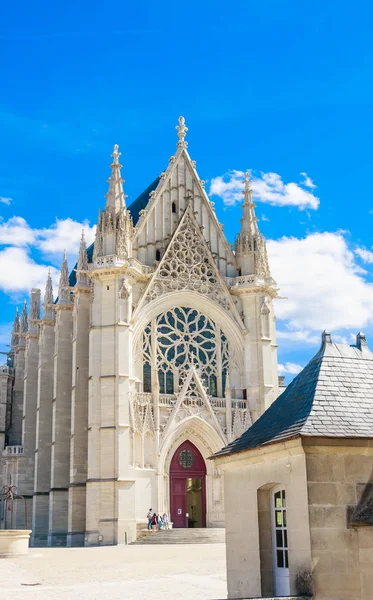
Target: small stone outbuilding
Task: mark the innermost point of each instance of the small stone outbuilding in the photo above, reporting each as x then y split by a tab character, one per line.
299	485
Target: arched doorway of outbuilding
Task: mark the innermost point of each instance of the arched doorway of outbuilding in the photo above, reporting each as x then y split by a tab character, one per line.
188	487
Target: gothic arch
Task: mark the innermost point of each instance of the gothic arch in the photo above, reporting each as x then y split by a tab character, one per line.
197	301
206	440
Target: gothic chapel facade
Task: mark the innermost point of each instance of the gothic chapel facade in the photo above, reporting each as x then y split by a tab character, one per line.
159	350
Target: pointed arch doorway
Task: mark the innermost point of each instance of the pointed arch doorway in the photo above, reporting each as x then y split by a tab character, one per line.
188	487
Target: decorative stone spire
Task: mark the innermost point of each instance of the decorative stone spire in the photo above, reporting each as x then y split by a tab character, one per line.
181	132
250	245
82	278
35	304
48	299
115	197
16	329
114	231
64	288
24	319
48	295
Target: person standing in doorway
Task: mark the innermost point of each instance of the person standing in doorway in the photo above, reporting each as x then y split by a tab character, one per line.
165	521
149	517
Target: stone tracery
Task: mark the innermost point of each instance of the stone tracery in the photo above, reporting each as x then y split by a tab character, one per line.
184	337
187	266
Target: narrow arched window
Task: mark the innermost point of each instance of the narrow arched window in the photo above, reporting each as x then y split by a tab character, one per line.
173	207
158	255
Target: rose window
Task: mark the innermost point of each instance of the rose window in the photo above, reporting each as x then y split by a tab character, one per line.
184	337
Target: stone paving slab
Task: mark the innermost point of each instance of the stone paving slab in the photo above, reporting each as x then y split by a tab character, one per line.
185	572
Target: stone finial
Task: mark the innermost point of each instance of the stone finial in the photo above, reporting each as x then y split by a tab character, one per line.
115	197
116	154
247	187
24	319
82	258
48	295
16	329
82	278
181	133
48	313
35	304
361	341
63	288
326	337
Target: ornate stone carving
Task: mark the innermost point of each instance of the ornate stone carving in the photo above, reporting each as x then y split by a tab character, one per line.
188	265
142	414
181	133
124	290
186	338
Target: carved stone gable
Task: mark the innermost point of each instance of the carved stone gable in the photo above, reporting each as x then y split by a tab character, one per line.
188	265
192	401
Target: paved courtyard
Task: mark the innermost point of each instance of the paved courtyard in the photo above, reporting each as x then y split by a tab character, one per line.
180	572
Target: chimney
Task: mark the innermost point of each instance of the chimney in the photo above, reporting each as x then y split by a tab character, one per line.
361	341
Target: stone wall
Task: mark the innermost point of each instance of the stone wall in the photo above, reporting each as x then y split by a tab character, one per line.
248	480
342	555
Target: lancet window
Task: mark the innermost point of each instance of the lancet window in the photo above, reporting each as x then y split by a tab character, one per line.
175	341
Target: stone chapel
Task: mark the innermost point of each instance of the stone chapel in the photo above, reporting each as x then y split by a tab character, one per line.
158	349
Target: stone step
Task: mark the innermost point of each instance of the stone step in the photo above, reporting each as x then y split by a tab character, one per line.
182	536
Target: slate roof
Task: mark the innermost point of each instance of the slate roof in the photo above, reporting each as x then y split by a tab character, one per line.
137	205
331	397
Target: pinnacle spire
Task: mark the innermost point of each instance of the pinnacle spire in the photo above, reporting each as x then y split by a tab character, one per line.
82	259
24	319
250	245
63	288
82	262
48	295
16	329
248	220
181	133
115	197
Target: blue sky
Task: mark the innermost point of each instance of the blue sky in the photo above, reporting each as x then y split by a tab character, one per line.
279	88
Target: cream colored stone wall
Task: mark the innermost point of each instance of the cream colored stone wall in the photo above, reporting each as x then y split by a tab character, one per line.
342	556
245	474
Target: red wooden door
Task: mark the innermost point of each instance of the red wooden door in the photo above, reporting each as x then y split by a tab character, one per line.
186	463
178	502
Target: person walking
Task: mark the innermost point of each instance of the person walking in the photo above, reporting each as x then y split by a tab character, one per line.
154	522
149	517
165	521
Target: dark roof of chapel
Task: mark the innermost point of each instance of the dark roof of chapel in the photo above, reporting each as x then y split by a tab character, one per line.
331	397
135	207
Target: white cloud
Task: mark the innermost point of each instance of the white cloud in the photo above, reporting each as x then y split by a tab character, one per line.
307	181
5	200
268	188
16	232
289	368
64	235
19	272
300	337
19	269
325	287
365	255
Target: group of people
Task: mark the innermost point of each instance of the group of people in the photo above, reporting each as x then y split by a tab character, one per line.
156	522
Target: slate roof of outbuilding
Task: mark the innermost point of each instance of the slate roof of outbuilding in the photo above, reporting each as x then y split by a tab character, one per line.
331	397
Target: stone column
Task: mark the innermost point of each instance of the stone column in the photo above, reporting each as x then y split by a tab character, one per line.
110	484
61	425
26	467
15	429
79	417
40	516
6	383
